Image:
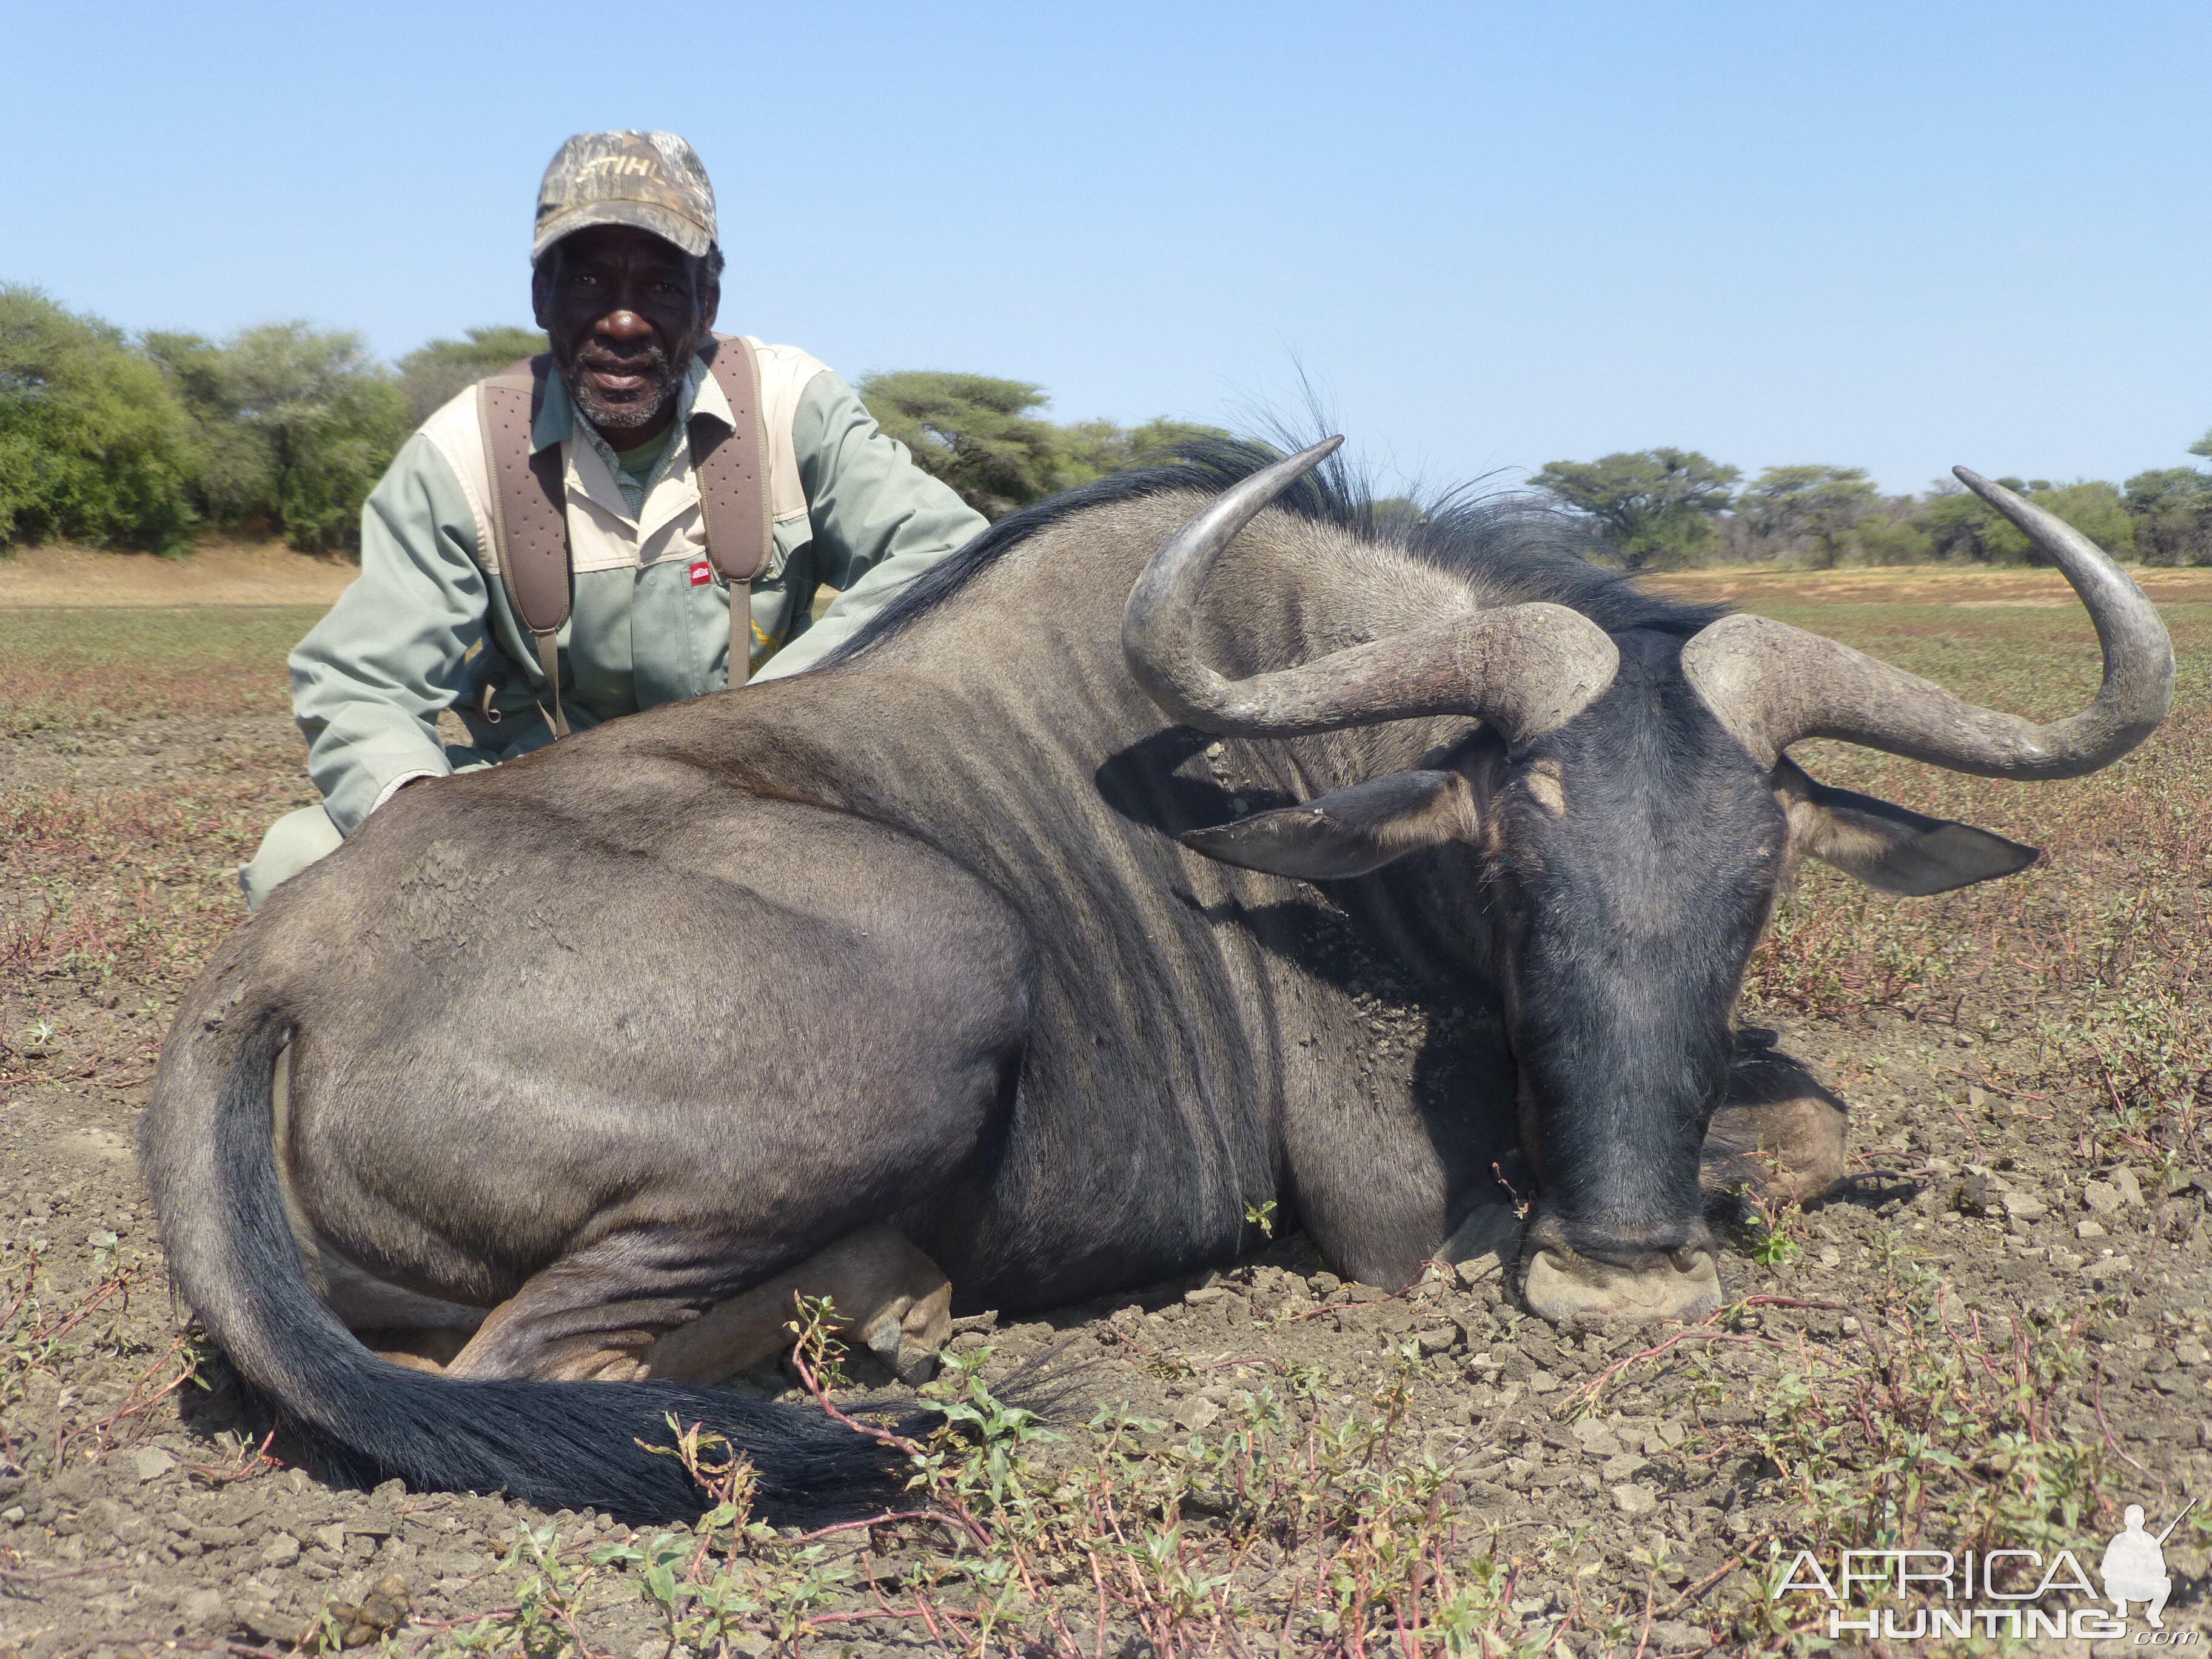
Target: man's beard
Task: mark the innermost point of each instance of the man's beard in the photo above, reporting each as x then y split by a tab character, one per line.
662	381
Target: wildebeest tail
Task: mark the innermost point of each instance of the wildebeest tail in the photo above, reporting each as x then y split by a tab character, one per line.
208	1147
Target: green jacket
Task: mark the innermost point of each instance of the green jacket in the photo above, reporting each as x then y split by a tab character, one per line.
428	620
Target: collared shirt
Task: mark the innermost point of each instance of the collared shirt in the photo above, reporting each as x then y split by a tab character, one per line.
636	470
426	622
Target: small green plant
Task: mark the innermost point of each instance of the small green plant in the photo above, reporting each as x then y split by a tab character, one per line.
549	1598
979	1453
1775	1249
816	1344
1771	1228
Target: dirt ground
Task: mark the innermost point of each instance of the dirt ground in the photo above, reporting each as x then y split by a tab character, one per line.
219	573
1995	1336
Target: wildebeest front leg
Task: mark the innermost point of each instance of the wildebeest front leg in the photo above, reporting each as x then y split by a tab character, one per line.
589	1316
1781	1131
883	1287
607	1314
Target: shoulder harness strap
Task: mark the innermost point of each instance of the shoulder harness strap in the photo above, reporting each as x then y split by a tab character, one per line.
731	469
529	509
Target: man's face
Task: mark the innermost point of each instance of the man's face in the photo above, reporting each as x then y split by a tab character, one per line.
625	311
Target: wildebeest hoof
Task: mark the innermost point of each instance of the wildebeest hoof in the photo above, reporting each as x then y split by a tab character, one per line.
882	1337
413	1361
1781	1132
915	1364
608	1366
601	1357
418	1351
926	1327
1560	1286
907	1334
1487	1238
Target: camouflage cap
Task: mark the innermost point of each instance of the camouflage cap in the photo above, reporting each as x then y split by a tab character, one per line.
649	179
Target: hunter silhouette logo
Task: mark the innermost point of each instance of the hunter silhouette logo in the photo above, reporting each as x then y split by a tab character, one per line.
2134	1568
1996	1593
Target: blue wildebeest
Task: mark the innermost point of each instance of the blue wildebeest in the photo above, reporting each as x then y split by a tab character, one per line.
1074	915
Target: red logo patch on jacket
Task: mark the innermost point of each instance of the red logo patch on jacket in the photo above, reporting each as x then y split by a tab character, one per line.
701	573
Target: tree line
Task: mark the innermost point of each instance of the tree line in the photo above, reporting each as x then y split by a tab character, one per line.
1666	509
142	440
115	440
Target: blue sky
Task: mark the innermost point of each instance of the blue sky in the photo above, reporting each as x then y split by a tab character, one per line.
1887	236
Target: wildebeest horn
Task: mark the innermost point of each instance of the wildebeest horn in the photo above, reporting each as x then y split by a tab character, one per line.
1524	669
1772	684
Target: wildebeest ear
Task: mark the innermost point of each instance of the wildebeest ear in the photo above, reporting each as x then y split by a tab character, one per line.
1347	832
1889	848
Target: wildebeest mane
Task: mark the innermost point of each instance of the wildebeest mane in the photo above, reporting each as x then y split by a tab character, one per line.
1509	534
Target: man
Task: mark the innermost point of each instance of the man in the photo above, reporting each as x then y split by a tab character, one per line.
626	282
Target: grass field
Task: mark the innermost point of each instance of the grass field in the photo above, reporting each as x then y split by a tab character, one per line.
1996	1338
86	671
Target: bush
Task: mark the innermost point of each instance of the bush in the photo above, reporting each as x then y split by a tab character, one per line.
231	481
1963	526
2096	510
1883	539
93	446
296	426
2173	510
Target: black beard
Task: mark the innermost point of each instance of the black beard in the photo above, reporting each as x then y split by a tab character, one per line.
662	382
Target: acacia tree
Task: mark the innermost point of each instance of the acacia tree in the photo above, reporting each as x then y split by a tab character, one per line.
1097	447
980	435
432	374
984	437
1654	507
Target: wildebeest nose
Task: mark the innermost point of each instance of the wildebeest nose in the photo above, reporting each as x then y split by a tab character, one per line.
1625	1244
1659	1272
